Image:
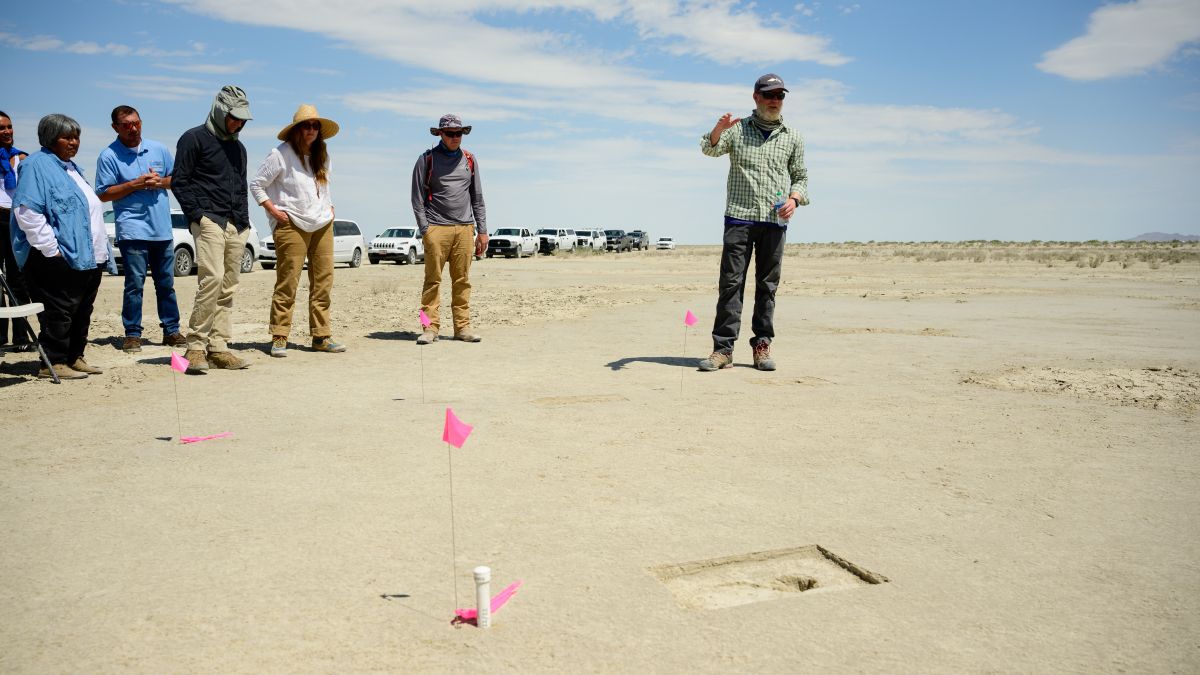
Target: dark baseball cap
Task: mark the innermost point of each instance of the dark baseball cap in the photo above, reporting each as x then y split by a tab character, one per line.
769	82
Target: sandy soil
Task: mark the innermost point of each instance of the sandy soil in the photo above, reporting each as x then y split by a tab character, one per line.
1010	443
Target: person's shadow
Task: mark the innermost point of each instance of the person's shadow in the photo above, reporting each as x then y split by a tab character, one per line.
402	335
678	361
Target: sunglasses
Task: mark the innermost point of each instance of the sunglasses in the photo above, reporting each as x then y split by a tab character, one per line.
452	134
129	125
773	95
316	126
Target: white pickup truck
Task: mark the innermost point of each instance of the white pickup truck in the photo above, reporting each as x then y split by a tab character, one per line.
512	242
553	239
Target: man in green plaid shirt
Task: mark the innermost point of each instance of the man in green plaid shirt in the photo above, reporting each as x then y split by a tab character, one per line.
767	182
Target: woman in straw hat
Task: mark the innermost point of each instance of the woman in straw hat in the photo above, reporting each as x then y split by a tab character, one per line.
292	185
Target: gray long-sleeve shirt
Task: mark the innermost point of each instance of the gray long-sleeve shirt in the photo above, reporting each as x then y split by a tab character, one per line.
457	196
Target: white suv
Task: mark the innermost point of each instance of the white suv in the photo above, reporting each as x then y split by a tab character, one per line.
185	245
401	244
348	245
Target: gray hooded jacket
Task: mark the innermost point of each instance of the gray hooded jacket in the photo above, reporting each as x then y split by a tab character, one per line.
210	165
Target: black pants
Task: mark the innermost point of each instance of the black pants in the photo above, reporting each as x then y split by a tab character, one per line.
16	281
766	244
68	295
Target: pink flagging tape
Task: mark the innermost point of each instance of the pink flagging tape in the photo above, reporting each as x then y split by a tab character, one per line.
424	318
178	363
689	318
497	602
197	439
455	431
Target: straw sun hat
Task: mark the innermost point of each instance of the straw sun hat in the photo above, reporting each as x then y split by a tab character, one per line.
306	112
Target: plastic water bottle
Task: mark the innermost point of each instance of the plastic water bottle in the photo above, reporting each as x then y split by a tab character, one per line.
779	201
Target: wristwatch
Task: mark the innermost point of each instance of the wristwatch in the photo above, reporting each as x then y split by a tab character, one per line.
797	200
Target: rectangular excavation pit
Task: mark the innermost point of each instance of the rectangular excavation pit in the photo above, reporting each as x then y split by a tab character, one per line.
755	577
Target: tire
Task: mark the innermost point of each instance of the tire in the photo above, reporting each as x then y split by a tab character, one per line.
374	260
247	260
489	255
356	259
183	261
411	259
267	265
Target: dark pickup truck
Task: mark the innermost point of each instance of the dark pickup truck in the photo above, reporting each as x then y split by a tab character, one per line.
618	240
641	240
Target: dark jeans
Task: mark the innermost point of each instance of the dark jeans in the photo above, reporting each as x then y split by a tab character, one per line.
68	295
16	281
159	258
766	243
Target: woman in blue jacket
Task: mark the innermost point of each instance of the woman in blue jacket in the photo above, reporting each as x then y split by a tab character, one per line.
59	242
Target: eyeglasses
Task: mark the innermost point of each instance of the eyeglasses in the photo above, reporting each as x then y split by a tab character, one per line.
315	126
773	95
452	134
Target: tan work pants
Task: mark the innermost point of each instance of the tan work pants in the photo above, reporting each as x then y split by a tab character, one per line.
219	258
292	246
455	244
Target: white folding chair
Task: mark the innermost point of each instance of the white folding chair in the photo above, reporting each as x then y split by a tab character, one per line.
16	311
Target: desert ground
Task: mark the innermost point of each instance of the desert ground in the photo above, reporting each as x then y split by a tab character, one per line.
994	447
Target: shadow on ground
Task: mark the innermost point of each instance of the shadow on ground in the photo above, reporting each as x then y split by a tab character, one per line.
678	361
402	335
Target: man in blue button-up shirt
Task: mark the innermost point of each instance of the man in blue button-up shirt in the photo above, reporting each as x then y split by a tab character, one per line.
134	173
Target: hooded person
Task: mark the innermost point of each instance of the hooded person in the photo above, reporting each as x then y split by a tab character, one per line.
209	182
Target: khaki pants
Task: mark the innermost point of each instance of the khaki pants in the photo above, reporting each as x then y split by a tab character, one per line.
456	244
219	258
292	246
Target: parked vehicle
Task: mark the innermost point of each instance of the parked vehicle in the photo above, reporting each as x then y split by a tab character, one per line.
400	244
554	239
665	244
618	241
185	244
348	246
512	242
593	239
641	240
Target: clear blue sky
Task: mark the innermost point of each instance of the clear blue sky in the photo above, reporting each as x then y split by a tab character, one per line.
926	119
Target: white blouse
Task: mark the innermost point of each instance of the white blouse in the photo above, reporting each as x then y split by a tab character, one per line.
287	182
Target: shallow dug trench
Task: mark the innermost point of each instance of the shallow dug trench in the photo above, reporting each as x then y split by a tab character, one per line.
1164	388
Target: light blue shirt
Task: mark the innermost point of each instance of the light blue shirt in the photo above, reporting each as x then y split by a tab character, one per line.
143	215
45	187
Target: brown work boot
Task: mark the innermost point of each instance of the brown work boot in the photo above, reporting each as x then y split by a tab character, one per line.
226	361
132	344
63	371
197	363
716	361
175	339
762	356
82	366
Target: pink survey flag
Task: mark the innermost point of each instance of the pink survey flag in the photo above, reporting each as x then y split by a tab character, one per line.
497	602
197	439
689	318
424	318
455	432
178	363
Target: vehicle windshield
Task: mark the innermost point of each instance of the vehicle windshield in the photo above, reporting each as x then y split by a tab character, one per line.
613	233
551	232
397	232
508	232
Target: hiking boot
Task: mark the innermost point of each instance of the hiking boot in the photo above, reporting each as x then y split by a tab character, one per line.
63	371
226	361
175	339
427	337
467	336
132	344
197	363
762	356
82	366
326	344
716	361
279	346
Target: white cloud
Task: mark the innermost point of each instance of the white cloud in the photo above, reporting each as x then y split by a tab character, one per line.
208	68
159	87
1126	39
43	43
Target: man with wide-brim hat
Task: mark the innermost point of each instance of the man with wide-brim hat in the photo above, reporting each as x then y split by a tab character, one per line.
293	187
447	201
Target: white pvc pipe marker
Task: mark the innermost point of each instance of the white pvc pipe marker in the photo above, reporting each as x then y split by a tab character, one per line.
483	597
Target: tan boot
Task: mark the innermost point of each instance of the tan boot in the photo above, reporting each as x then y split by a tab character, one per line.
197	363
426	337
226	361
82	366
716	361
63	371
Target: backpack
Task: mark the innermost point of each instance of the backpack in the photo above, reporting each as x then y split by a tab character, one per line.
429	170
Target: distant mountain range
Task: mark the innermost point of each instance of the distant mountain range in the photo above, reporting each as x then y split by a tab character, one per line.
1163	236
